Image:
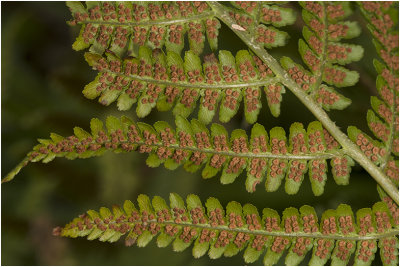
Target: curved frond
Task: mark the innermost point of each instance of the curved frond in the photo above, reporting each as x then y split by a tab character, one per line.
324	53
270	158
383	118
122	27
168	81
218	231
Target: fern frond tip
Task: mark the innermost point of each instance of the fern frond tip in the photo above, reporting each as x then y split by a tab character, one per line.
11	175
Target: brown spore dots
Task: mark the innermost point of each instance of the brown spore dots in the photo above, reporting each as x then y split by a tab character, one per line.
270	15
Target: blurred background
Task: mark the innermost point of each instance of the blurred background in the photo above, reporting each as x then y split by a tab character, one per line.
42	80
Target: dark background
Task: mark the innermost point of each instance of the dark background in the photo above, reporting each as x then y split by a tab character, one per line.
42	80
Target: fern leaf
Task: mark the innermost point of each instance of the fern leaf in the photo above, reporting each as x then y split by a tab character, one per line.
122	27
324	54
237	228
383	118
271	158
166	81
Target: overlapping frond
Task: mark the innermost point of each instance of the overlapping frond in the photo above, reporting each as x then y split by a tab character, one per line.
122	27
324	53
383	119
154	79
261	20
266	157
218	231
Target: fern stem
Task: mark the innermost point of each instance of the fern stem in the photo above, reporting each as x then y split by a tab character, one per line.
202	16
319	235
294	234
247	155
324	52
349	147
190	85
389	143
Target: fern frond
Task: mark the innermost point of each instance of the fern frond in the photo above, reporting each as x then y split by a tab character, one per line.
122	27
271	158
165	81
323	53
383	119
218	231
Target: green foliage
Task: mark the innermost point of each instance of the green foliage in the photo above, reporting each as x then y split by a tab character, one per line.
323	53
226	232
264	157
124	26
138	50
155	79
383	119
162	80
